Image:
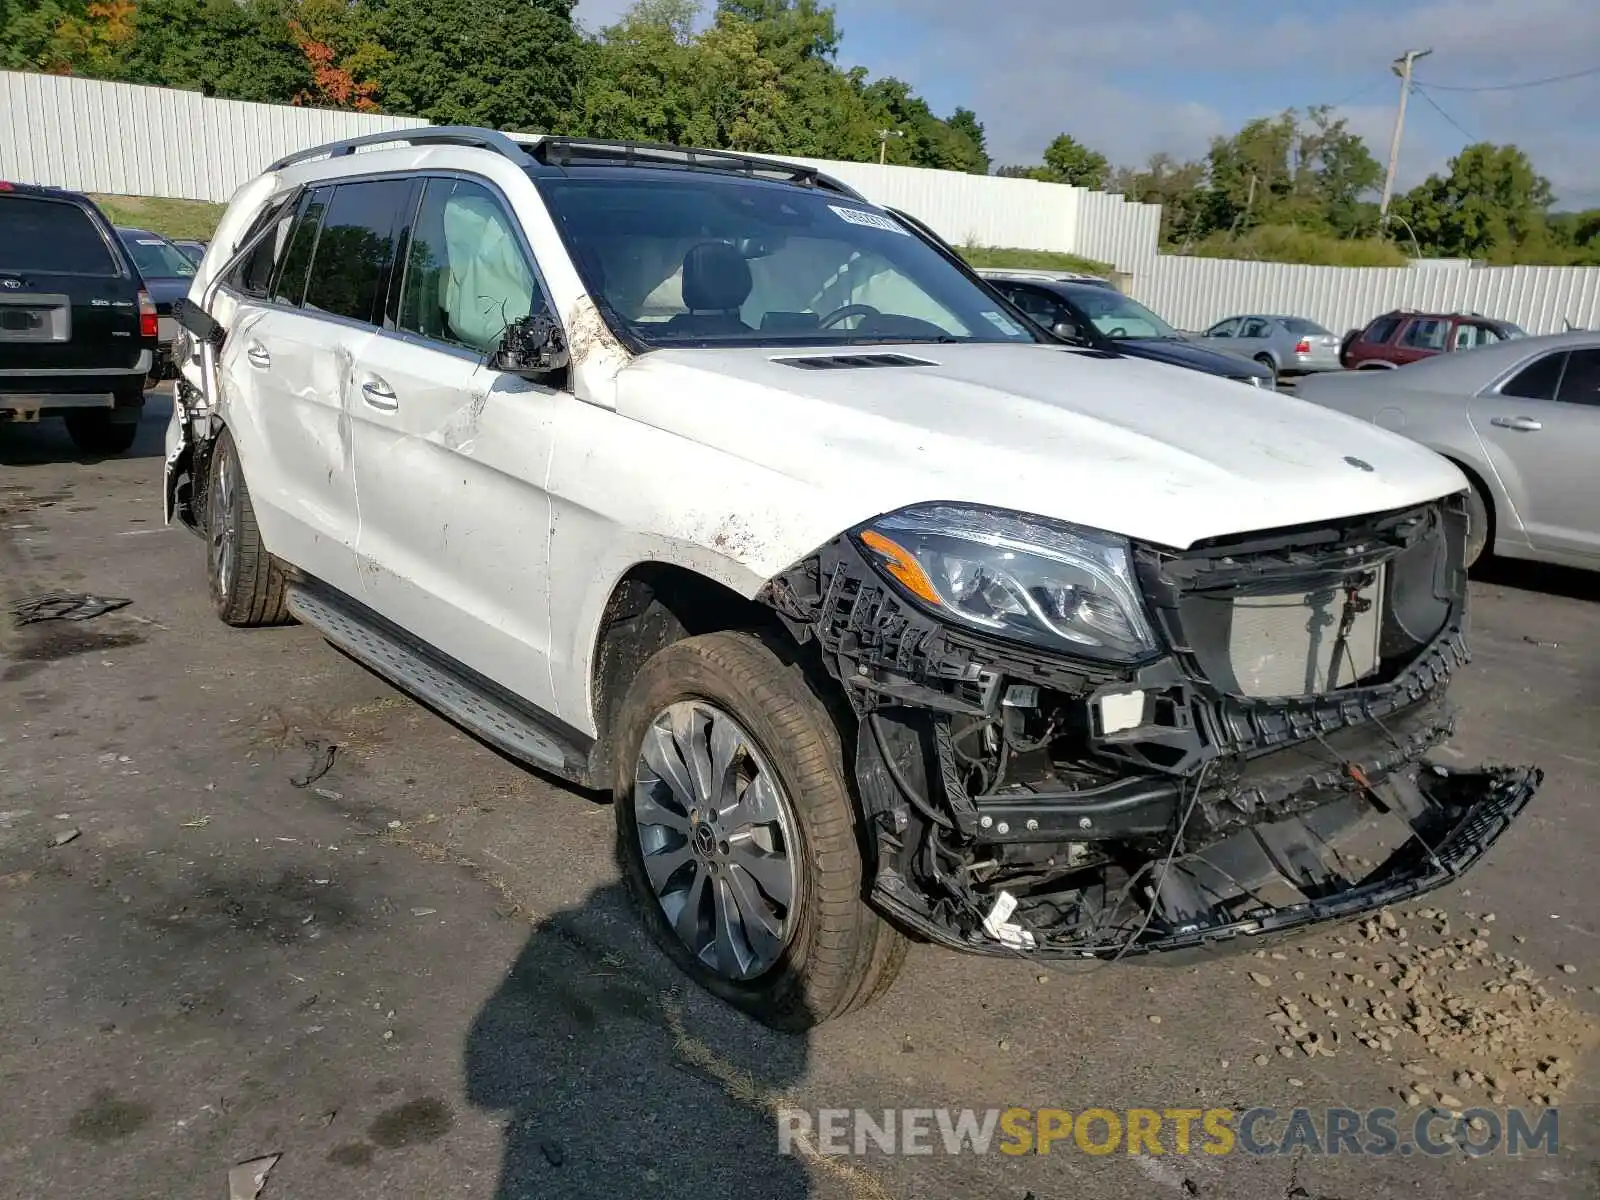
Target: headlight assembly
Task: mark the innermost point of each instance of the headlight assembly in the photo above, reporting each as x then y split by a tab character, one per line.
1015	577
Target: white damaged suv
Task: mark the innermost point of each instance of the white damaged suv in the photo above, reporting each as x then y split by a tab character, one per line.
883	614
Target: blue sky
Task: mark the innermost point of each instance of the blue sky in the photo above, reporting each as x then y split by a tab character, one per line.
1132	77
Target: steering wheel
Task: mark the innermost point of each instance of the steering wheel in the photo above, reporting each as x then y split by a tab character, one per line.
846	311
1119	331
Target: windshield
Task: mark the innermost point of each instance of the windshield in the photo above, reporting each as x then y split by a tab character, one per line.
158	258
1116	316
1304	328
708	260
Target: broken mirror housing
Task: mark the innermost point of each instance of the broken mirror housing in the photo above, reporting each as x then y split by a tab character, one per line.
1017	577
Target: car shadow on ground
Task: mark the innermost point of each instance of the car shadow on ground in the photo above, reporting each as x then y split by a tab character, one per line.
46	441
1539	577
610	1084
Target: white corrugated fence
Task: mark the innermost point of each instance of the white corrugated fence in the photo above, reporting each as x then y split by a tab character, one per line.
128	140
1194	293
145	141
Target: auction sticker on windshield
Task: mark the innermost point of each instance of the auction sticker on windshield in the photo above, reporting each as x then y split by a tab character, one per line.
868	220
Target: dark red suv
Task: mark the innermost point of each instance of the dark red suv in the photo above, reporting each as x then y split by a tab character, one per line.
1397	338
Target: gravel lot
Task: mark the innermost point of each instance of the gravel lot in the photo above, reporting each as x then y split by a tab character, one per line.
416	976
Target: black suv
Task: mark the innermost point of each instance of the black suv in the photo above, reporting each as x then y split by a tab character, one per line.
78	330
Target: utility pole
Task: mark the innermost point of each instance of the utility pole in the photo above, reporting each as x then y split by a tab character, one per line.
1402	67
883	143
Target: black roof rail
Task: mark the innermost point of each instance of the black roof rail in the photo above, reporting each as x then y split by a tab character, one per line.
422	135
562	151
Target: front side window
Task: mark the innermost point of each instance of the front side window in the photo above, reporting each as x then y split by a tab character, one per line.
290	287
1255	327
466	276
1381	330
350	271
710	259
1223	329
1538	380
1038	304
1581	382
1116	316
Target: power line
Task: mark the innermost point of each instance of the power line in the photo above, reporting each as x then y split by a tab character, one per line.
1434	104
1514	87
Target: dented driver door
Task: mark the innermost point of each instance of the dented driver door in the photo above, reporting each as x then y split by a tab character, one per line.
451	456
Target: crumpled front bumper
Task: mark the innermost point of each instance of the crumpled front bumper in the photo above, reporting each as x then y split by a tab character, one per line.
1453	818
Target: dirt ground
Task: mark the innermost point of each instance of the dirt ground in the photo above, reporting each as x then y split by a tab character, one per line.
416	975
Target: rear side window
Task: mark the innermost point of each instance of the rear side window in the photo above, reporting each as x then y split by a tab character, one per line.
1581	383
253	276
350	272
291	285
1381	330
466	276
52	235
1536	381
1428	333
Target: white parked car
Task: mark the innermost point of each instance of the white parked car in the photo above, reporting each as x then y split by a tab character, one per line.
699	478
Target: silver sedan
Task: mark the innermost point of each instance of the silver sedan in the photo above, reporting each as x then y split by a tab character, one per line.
1286	345
1521	418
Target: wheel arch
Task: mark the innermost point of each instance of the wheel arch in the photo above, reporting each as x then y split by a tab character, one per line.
1480	484
651	606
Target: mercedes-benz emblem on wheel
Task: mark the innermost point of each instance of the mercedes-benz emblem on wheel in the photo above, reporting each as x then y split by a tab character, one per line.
1360	464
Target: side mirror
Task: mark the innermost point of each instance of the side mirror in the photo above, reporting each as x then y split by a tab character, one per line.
1066	330
534	347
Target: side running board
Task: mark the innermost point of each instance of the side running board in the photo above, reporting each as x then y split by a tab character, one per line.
477	705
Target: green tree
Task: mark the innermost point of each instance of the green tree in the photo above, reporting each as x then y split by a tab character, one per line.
1337	171
514	64
1069	161
1490	201
927	141
1176	186
28	33
965	122
236	50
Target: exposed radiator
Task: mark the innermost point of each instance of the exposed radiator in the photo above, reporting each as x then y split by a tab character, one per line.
1284	645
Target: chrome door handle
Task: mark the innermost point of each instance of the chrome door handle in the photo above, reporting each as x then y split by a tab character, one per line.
379	395
1520	424
257	354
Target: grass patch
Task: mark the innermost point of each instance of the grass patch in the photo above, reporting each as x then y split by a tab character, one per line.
1289	244
195	219
1038	260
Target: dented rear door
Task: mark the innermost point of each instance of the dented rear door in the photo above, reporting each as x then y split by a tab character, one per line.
285	372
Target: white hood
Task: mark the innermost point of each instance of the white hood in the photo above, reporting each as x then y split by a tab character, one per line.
1158	453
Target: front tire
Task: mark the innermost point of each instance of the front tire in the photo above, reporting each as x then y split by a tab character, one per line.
736	833
1272	370
1478	525
247	583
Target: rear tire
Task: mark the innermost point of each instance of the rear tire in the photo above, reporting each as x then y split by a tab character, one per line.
1272	368
93	432
247	583
832	953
